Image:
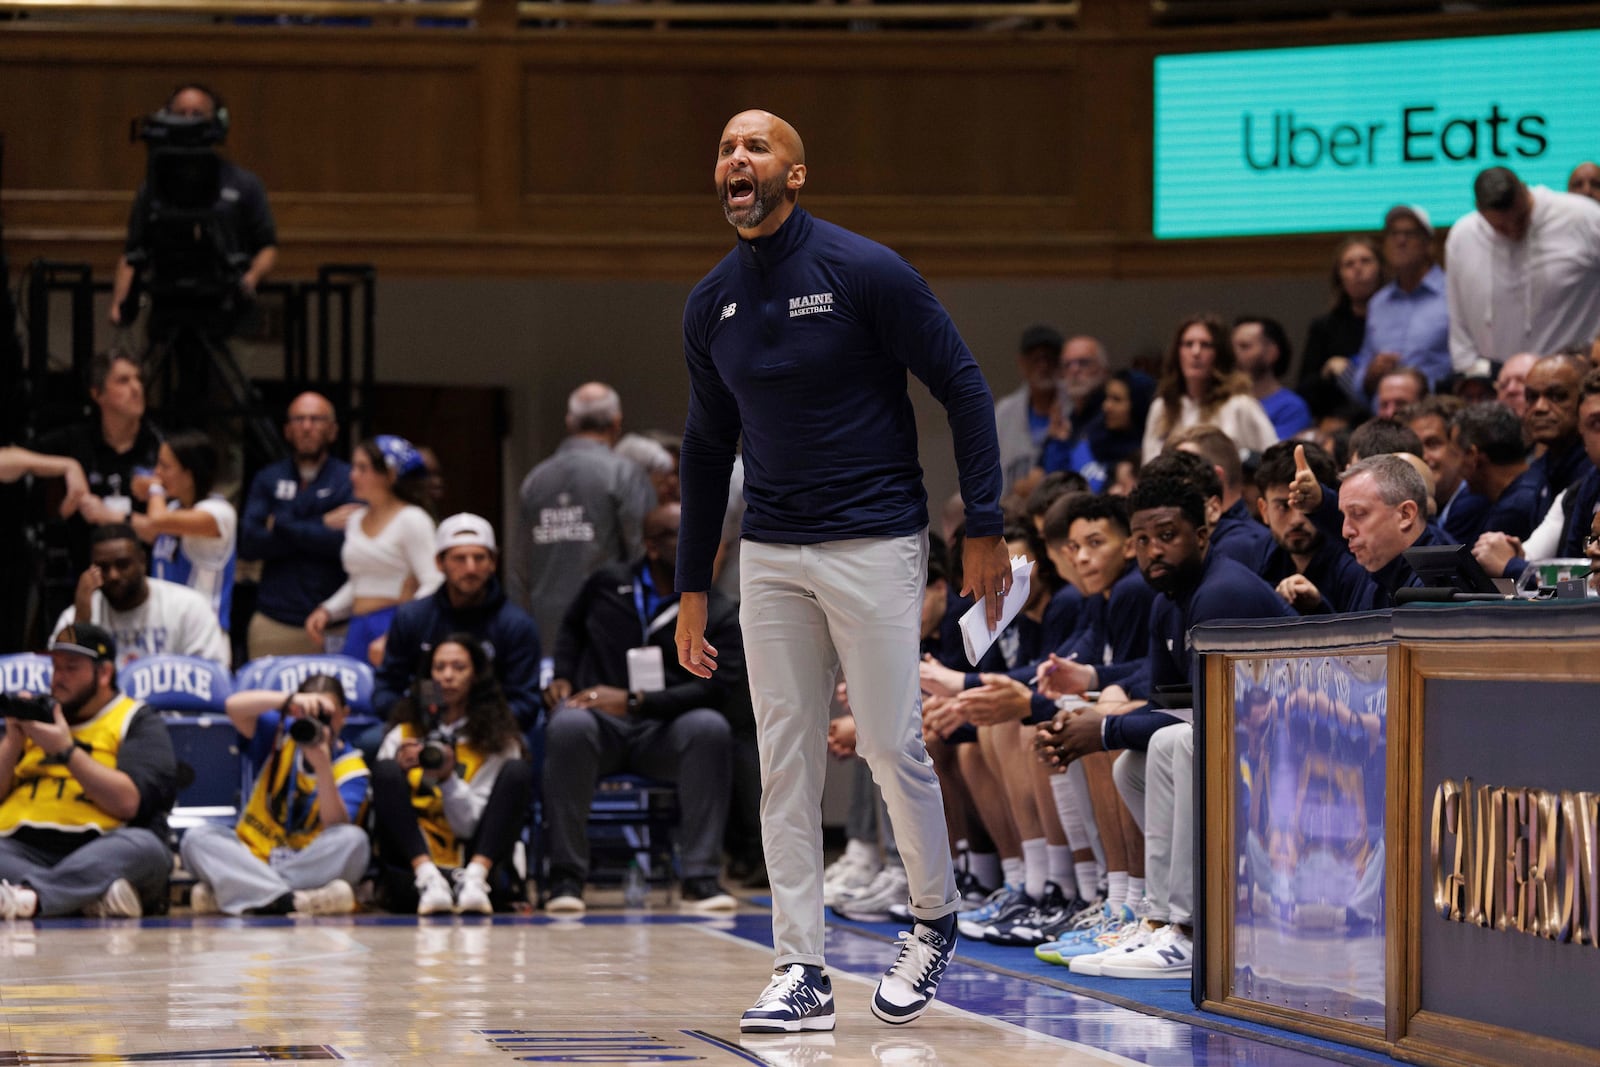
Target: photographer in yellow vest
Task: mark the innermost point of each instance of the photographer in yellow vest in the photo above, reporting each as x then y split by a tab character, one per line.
298	846
87	777
451	788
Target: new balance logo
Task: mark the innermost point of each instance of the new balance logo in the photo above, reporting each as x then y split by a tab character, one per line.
1173	955
727	312
804	999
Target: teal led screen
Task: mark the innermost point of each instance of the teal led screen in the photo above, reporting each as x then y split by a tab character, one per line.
1307	140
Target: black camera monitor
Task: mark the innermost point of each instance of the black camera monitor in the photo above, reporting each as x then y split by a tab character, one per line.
1450	567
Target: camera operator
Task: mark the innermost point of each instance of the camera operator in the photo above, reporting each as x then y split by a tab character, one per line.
244	230
298	846
450	783
86	779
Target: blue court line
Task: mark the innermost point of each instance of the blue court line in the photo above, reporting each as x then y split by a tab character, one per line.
1161	998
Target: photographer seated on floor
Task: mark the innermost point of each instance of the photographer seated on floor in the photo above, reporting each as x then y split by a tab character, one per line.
87	777
298	846
451	787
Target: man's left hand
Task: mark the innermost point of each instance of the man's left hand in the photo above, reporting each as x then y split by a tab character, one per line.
1000	699
53	736
606	699
987	570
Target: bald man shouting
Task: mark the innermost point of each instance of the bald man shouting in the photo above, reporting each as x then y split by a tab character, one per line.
294	524
799	342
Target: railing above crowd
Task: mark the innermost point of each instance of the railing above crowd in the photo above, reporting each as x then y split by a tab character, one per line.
790	15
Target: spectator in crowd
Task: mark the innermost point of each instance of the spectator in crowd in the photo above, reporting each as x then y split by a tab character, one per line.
117	450
658	462
145	616
294	520
433	488
470	601
1112	436
1200	383
1023	417
580	509
1384	500
1460	511
94	843
1398	390
1494	463
1567	525
17	463
243	228
1336	335
299	845
1512	380
388	546
1524	270
1567	482
1408	320
451	788
1310	570
192	532
621	701
1262	349
1381	436
1476	386
1585	180
1234	533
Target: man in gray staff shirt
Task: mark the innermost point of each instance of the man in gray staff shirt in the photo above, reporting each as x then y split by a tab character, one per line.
580	509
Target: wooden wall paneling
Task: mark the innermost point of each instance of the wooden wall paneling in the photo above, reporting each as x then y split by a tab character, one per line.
587	152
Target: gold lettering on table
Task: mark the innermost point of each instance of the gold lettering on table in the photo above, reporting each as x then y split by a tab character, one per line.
1449	814
1522	859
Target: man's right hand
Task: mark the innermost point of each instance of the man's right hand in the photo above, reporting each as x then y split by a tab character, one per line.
83	599
317	625
695	654
1305	492
1301	593
558	690
1382	363
1494	550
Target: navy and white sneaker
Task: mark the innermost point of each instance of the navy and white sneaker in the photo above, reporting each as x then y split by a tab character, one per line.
908	987
973	923
798	998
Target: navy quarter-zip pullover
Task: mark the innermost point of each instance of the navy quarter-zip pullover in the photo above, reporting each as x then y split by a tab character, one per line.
800	342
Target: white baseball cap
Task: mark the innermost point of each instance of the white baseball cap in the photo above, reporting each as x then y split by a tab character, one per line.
464	531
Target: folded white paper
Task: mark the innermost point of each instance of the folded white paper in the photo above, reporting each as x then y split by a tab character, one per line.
976	636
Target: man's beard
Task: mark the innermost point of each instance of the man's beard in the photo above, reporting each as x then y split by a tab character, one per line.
1178	579
74	703
1312	543
769	194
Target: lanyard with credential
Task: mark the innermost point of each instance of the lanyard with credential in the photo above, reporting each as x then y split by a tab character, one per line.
647	625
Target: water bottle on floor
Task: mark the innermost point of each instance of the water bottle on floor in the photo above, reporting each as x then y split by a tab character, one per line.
635	891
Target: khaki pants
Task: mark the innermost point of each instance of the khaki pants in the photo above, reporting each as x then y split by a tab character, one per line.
269	637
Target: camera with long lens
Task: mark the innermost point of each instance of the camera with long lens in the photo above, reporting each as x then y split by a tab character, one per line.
31	709
308	729
436	744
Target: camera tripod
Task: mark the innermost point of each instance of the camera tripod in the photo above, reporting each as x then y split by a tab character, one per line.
198	381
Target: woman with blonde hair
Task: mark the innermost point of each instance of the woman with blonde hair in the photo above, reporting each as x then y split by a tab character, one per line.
1201	383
